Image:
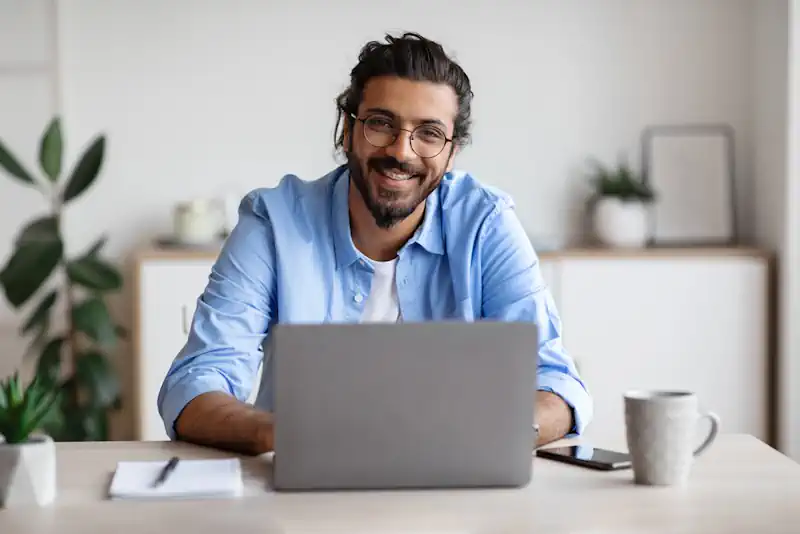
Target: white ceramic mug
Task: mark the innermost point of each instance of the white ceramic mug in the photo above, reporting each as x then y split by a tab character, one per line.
197	222
661	429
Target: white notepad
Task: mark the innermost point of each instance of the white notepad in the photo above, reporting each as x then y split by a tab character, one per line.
191	479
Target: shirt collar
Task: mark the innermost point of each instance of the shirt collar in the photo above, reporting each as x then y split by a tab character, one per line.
346	252
428	235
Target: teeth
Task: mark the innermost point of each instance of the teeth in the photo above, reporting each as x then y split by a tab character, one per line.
395	175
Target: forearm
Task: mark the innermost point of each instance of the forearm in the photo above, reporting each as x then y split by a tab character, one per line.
218	420
554	417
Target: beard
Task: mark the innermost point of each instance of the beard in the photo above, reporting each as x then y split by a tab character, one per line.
389	207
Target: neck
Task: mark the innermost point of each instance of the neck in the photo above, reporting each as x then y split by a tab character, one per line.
379	244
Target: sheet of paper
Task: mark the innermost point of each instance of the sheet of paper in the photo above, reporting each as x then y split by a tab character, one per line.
216	478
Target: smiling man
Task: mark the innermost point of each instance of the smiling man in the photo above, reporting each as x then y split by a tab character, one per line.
393	235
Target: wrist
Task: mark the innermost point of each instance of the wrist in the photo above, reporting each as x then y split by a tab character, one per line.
554	416
264	434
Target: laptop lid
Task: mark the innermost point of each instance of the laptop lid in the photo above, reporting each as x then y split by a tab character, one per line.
439	404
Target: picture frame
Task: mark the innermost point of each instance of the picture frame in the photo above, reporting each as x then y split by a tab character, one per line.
692	169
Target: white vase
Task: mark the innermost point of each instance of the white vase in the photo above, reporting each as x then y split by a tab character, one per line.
621	223
28	472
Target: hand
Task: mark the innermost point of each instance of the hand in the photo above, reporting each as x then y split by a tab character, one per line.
265	434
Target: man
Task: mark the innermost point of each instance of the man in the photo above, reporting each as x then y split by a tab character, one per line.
394	234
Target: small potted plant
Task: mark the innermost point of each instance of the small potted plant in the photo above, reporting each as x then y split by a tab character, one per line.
621	205
27	456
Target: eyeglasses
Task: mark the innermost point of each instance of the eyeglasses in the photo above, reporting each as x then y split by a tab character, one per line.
427	141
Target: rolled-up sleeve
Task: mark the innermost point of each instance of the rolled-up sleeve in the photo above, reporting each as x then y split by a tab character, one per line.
514	289
232	315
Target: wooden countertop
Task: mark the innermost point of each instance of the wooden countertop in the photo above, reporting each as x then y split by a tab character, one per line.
162	253
740	485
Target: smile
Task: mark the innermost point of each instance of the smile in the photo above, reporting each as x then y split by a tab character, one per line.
396	175
394	180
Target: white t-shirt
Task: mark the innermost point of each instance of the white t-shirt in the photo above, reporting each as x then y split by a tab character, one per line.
381	305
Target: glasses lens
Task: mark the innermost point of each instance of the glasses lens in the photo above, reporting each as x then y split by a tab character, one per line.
379	131
427	141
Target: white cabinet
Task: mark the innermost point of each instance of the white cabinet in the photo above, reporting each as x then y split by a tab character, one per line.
695	323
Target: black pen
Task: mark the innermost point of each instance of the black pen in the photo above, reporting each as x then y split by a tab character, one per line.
165	472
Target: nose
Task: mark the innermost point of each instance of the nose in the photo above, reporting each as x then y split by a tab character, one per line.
401	148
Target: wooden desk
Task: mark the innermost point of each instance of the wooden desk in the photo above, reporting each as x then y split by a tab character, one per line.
740	485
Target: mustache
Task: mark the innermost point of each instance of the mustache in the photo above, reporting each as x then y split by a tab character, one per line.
387	163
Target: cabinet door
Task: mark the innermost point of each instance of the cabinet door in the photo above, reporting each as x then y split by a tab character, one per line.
692	323
168	293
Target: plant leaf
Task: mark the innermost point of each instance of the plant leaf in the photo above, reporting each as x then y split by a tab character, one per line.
95	274
74	427
48	368
39	407
5	422
40	316
94	425
85	171
94	250
78	423
53	422
92	318
22	420
43	229
13	167
95	373
14	391
50	150
28	268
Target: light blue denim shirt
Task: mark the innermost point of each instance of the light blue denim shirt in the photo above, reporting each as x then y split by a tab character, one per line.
291	259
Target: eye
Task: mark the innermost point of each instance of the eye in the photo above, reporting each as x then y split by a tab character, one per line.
381	124
428	133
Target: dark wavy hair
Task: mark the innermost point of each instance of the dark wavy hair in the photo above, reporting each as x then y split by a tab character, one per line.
412	57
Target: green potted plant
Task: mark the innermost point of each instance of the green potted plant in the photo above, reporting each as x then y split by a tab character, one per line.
42	280
620	205
27	455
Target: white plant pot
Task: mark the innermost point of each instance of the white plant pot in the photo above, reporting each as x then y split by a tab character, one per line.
620	223
27	472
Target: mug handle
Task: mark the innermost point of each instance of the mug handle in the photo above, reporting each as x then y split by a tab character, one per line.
712	433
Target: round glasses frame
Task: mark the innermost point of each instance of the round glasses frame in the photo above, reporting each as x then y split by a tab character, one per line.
396	133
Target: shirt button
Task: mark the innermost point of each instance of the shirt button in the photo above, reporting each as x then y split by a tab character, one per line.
358	298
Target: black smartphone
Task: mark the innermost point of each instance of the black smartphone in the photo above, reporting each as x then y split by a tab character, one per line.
587	456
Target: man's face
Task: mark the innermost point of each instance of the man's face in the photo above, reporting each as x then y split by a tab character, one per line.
394	180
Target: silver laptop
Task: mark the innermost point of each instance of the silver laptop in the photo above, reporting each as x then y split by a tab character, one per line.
406	405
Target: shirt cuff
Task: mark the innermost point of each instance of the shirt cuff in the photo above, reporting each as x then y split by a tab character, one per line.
181	393
574	394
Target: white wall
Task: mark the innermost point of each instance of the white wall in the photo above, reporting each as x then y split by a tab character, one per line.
770	78
789	371
772	211
205	97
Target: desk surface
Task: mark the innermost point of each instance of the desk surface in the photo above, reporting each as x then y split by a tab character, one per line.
739	485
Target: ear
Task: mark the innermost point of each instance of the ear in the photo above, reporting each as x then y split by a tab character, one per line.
452	157
346	131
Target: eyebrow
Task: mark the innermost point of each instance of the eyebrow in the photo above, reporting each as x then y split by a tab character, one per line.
393	115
